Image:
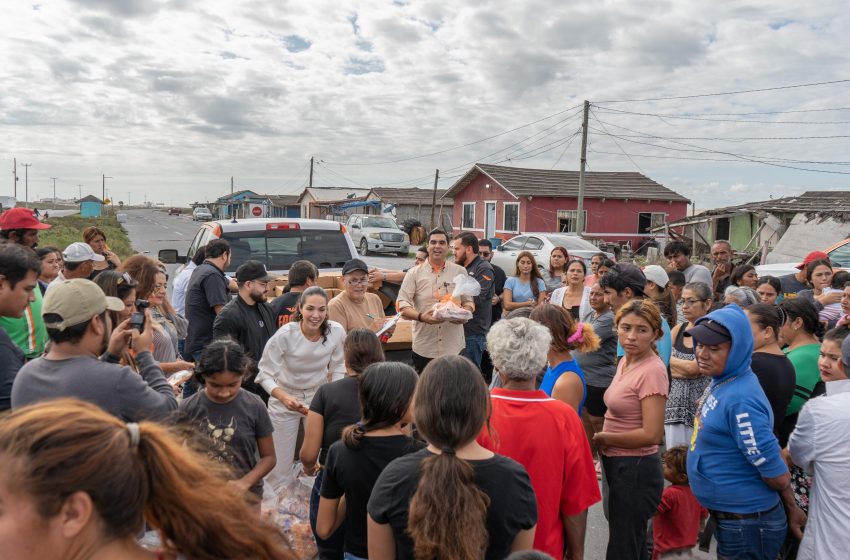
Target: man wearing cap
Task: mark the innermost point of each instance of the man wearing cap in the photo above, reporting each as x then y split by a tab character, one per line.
820	446
79	261
734	464
625	282
355	307
19	270
20	226
792	284
248	318
80	331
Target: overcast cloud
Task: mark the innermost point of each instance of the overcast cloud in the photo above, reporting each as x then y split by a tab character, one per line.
173	97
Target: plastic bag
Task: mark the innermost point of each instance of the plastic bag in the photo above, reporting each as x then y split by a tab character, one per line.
288	507
449	307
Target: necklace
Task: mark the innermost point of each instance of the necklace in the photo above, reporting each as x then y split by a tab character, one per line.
710	391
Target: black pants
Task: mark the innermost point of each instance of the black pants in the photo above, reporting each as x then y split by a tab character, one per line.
634	492
419	362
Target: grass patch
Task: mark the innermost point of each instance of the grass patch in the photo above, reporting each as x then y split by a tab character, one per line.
69	229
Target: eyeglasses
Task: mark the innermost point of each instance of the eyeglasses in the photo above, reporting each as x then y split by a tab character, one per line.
360	282
689	302
485	253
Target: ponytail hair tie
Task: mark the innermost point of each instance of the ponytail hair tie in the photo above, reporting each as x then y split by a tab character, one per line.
360	426
135	434
578	336
449	451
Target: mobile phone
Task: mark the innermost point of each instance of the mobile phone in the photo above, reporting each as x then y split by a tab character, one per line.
137	321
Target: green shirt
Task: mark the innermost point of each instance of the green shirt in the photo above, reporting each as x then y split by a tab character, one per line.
28	332
805	360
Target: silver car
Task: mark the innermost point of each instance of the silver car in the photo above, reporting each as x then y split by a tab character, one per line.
540	245
377	234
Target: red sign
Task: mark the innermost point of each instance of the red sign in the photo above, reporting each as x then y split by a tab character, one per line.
257	211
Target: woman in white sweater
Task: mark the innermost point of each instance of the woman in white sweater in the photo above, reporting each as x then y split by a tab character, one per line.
300	357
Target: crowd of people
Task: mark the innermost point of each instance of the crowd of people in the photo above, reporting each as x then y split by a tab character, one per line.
692	402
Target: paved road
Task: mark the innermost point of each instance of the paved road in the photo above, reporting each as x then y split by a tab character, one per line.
152	230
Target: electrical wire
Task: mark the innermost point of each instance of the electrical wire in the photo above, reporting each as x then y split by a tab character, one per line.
615	141
752	121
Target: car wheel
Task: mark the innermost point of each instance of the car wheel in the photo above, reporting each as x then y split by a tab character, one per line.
364	247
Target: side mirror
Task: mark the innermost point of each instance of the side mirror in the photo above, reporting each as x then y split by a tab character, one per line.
170	256
500	248
355	226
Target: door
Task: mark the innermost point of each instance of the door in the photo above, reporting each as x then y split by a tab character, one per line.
489	220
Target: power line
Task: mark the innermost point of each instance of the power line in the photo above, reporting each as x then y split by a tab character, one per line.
765	112
615	141
721	93
686	118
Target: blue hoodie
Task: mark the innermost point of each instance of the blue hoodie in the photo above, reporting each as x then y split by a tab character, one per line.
733	446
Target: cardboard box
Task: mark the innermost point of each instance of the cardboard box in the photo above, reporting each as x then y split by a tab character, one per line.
402	337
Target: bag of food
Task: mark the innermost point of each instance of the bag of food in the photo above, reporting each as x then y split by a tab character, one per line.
288	507
449	307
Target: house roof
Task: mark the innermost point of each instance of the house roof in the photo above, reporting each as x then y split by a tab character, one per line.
283	199
91	198
409	195
522	181
329	194
239	195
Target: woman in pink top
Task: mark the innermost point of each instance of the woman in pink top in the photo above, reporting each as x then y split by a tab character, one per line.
634	426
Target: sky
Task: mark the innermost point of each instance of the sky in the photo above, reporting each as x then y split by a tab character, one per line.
172	98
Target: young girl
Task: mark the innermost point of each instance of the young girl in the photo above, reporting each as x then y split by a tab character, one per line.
574	295
567	336
634	426
235	421
353	464
454	499
676	523
769	289
300	357
526	288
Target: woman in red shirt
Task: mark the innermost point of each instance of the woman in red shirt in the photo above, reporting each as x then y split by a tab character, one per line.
634	426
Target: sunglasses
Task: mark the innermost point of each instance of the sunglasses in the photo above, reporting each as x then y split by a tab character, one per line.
485	253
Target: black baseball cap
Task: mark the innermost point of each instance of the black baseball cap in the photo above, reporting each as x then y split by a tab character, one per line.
252	270
632	276
709	332
354	264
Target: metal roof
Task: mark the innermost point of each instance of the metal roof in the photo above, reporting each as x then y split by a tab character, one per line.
822	203
409	195
521	181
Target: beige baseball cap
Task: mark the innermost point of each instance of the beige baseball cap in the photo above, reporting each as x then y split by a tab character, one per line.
76	301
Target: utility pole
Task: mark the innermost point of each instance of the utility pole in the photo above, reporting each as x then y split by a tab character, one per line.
54	192
434	197
232	207
311	172
79	186
26	184
581	179
15	174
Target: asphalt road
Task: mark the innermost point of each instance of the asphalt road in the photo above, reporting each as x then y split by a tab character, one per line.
152	230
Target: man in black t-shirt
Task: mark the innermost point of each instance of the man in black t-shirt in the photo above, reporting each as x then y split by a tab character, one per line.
302	275
485	251
206	296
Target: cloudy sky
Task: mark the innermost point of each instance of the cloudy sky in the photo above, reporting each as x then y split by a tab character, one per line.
171	98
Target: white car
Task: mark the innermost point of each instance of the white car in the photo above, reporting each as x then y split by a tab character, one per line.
378	234
839	255
201	214
540	245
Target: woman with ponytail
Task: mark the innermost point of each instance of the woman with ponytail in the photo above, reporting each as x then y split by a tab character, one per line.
353	464
454	500
79	484
568	335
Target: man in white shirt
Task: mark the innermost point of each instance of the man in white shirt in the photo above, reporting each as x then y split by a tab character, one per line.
820	446
181	282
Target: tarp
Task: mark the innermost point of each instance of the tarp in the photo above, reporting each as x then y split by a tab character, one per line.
355	204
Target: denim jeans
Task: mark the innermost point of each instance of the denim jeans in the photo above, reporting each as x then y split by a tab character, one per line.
347	556
475	346
330	549
191	387
634	492
757	538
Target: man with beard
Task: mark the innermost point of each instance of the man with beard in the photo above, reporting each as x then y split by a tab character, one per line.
21	227
248	318
475	330
84	355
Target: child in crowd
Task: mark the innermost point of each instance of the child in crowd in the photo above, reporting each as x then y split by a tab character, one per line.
235	421
677	521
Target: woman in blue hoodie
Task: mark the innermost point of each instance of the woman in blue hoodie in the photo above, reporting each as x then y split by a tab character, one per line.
734	463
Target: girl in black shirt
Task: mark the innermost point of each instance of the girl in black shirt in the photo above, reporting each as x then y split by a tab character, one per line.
453	500
354	463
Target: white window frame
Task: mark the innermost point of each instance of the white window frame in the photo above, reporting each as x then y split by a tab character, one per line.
664	219
504	217
463	224
569	215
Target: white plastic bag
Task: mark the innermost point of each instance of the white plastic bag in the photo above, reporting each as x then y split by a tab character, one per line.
449	307
288	507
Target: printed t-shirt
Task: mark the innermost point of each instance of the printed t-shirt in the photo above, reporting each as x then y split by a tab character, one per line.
645	378
676	522
352	472
790	286
546	437
351	315
232	428
513	507
521	291
284	306
339	405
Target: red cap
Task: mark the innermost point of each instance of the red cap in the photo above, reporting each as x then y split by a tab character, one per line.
20	218
813	256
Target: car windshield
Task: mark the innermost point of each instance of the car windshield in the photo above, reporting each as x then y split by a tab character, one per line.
202	211
571	242
385	223
279	249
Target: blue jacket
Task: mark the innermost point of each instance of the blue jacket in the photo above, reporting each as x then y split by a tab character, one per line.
733	446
